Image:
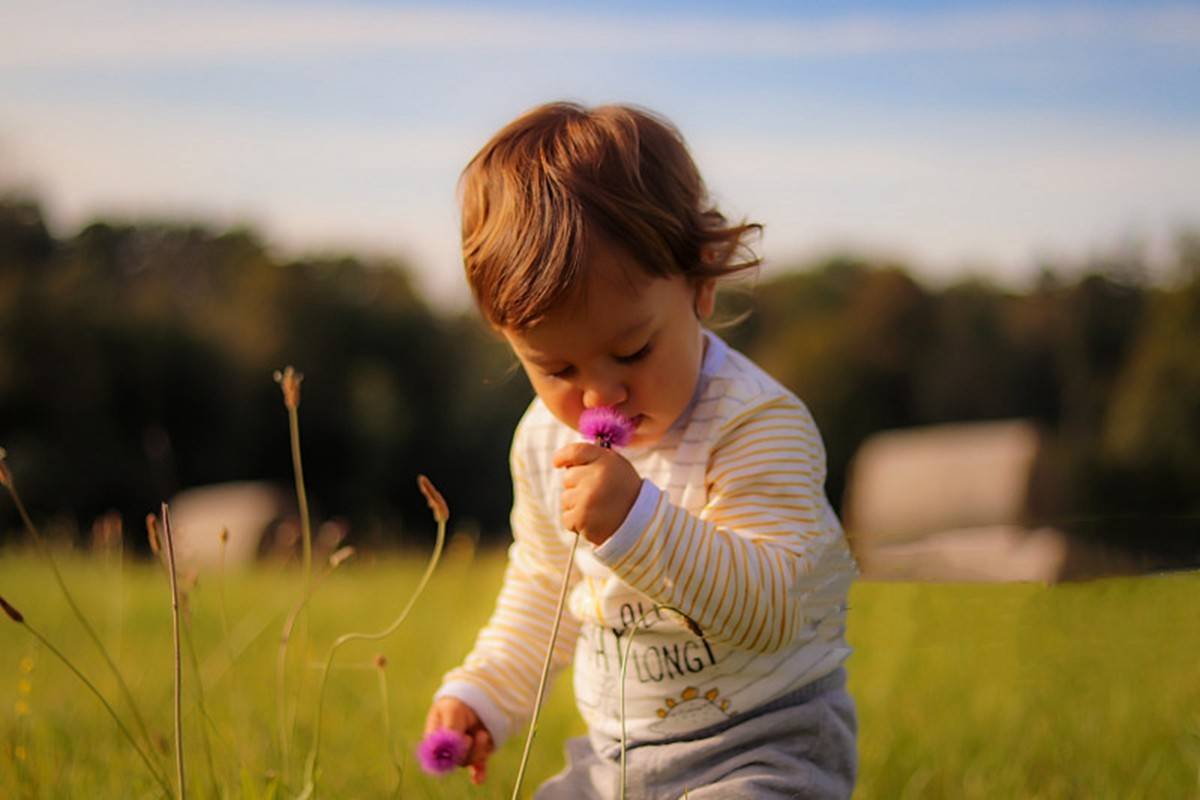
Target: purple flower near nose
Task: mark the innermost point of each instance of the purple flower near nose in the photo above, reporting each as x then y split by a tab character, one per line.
441	751
606	426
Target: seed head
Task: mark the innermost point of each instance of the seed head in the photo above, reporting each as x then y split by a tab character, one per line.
5	475
289	382
13	614
152	533
340	555
437	503
224	535
381	661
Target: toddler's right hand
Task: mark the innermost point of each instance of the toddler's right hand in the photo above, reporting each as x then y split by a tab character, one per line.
454	714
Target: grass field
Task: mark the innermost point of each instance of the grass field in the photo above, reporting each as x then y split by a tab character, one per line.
1089	690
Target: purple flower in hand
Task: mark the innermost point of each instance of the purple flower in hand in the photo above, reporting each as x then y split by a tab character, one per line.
441	751
606	426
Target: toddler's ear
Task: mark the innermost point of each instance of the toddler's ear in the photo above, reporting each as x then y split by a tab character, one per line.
706	298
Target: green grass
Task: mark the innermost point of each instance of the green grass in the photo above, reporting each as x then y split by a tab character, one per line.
1089	690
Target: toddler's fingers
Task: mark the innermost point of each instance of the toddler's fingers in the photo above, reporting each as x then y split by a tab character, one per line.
570	479
571	520
450	716
433	720
578	454
481	749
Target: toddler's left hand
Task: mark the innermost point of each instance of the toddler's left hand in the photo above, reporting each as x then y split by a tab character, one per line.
599	488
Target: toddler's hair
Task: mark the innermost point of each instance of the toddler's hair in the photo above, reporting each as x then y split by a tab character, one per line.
559	176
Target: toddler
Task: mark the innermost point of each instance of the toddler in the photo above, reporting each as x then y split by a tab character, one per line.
590	245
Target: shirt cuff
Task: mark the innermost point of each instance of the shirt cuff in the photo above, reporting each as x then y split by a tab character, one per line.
494	719
635	524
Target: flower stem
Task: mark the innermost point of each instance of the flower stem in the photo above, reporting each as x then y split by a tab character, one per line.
537	702
170	537
87	626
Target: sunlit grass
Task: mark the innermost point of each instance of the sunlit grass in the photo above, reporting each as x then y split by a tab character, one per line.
1083	690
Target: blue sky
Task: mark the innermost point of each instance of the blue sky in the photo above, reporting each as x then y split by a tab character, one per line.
978	137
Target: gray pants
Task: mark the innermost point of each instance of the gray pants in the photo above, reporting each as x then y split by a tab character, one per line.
800	745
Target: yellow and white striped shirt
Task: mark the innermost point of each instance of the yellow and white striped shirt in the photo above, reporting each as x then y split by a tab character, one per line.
731	527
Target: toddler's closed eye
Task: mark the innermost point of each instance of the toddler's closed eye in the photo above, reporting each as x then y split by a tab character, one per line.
638	356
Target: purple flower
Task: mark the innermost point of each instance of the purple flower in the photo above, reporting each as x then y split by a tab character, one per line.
441	751
606	426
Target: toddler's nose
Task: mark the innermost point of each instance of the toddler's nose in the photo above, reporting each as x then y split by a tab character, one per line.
604	394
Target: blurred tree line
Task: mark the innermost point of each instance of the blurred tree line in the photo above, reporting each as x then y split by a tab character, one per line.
136	360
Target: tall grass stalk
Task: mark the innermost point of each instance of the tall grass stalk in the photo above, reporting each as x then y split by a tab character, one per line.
441	514
541	690
289	383
44	551
19	618
185	629
178	662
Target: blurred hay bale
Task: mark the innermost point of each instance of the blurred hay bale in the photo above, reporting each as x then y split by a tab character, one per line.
248	510
992	554
907	484
947	503
951	503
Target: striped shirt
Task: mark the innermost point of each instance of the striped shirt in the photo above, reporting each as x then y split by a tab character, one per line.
731	530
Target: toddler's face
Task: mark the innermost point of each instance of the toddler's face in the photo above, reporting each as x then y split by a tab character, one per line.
633	345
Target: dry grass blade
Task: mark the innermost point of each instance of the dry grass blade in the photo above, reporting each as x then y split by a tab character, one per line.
19	618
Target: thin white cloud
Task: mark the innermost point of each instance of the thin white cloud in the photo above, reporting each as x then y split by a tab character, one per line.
49	35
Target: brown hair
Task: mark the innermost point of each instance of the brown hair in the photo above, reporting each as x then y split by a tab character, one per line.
560	175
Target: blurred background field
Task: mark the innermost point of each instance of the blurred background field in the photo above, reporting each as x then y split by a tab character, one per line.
964	691
136	362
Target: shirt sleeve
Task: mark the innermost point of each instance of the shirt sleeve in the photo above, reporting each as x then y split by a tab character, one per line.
739	568
499	677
